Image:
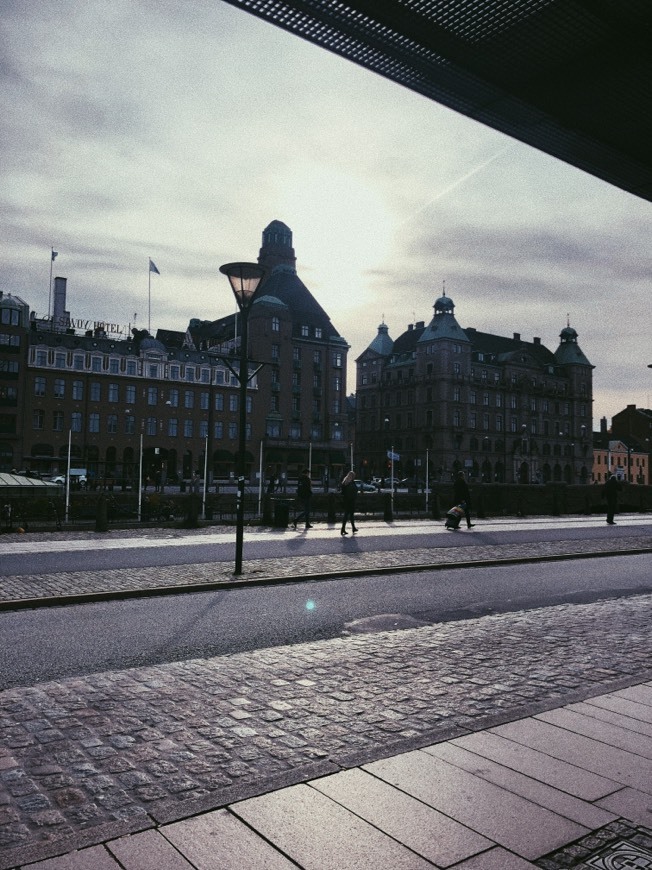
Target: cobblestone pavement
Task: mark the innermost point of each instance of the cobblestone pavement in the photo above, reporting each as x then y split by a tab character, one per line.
109	582
86	758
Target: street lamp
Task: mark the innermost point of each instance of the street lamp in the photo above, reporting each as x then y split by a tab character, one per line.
140	464
245	279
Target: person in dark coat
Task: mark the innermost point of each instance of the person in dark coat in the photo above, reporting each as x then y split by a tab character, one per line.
462	496
610	491
304	495
349	494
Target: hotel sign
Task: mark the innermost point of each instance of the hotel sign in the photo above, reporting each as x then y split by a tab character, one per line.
110	330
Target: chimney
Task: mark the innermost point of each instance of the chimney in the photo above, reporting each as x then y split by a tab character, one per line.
537	340
60	316
517	336
603	426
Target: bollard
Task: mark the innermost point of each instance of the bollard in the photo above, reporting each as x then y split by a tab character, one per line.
388	516
101	514
267	509
332	517
191	520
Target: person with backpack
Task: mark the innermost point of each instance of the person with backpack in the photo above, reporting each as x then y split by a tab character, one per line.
304	496
462	496
349	492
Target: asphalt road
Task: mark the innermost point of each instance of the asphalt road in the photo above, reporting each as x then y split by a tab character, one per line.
58	642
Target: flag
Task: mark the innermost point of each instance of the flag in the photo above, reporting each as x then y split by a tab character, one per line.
395	457
152	267
55	254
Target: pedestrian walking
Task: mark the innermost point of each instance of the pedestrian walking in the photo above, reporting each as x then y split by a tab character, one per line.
462	496
349	494
304	496
610	492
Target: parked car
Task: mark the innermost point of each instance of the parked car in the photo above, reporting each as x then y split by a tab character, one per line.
74	481
365	487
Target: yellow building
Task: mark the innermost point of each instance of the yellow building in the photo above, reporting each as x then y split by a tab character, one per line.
627	461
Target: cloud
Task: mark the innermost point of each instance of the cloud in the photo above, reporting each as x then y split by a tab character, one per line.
143	128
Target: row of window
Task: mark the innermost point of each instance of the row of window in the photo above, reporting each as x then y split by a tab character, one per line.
173	427
620	461
151	425
512	401
88	361
484	377
304	329
114	392
486	422
85	361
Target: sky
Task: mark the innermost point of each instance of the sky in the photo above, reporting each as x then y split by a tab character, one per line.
177	130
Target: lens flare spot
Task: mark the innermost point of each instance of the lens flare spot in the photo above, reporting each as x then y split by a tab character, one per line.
310	605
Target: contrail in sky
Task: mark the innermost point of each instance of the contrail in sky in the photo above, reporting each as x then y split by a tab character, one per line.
456	184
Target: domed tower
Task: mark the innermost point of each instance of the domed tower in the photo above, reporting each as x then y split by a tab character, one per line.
277	247
443	325
569	351
382	343
578	371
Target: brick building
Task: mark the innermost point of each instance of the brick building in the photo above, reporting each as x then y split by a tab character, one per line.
98	395
626	450
503	409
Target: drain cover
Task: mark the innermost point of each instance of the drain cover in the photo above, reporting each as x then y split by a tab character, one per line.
618	846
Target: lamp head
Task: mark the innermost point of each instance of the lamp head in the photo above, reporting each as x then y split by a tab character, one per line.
245	279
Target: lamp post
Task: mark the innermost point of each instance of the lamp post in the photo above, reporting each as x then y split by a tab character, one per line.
524	474
245	279
129	412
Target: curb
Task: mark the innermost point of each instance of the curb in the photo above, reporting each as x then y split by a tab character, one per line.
152	592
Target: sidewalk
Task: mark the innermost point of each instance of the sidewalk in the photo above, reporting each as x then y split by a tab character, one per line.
568	788
499	743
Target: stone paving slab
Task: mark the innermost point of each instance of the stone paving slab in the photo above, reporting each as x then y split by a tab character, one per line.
72	584
502	816
542	794
611	761
143	746
429	833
